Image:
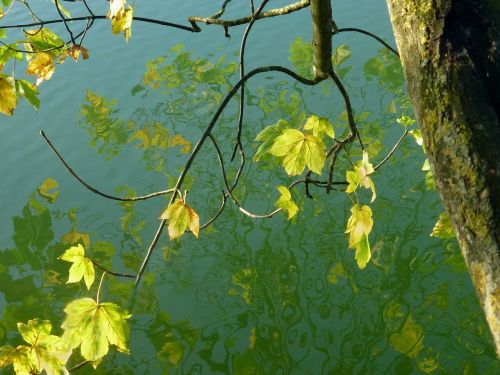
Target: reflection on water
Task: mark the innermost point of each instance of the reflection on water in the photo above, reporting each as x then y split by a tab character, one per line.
255	297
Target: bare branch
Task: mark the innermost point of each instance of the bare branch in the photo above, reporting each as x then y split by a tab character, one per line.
379	39
392	151
241	21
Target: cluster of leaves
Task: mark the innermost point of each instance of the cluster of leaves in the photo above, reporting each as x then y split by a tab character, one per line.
43	50
297	149
89	324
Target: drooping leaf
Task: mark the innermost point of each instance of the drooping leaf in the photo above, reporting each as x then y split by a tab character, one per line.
42	66
82	266
46	350
286	203
28	91
359	226
48	190
94	327
115	7
181	217
268	135
122	22
360	176
443	227
341	54
62	9
8	98
319	126
74	51
299	150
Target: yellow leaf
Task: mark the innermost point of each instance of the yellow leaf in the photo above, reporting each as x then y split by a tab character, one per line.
42	66
74	52
299	150
115	7
82	266
360	223
122	22
8	98
48	190
179	140
443	227
285	202
319	126
181	217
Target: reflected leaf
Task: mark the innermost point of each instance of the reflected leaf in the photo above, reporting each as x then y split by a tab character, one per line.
48	190
410	338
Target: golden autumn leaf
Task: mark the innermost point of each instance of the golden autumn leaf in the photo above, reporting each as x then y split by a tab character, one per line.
42	66
122	22
181	217
8	98
75	51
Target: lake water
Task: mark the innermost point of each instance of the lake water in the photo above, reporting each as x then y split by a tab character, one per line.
249	296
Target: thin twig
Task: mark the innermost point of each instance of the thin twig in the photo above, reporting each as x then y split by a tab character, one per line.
78	366
56	2
93	189
111	272
379	39
98	295
392	150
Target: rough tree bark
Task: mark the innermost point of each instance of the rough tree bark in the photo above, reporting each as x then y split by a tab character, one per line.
450	51
321	12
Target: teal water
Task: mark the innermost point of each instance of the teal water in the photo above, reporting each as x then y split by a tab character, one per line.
249	296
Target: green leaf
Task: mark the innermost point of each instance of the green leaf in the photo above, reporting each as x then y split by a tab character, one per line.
299	150
45	39
301	56
342	53
94	326
268	135
360	176
46	350
443	227
417	135
181	217
8	98
82	265
28	91
319	126
410	338
363	253
285	202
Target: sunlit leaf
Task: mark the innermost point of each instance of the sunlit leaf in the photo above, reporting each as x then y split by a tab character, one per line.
115	7
94	326
42	66
28	91
417	135
443	227
286	203
44	40
299	150
360	176
359	226
8	98
122	22
20	357
47	351
82	266
267	136
48	190
319	126
181	217
405	121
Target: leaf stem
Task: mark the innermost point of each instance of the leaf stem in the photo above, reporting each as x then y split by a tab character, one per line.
99	289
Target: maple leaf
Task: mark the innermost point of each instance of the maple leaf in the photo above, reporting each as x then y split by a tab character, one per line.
285	202
299	150
319	126
359	226
82	265
181	217
42	66
268	135
20	358
8	98
94	327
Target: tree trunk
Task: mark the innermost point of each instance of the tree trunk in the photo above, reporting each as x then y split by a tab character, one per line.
450	51
321	12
